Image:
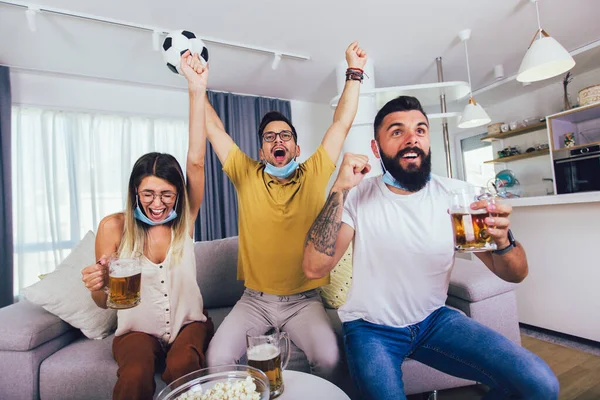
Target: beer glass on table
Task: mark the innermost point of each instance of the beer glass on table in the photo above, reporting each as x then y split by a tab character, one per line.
265	352
470	230
124	282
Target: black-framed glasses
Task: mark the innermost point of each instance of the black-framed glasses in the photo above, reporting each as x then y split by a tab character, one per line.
285	135
148	196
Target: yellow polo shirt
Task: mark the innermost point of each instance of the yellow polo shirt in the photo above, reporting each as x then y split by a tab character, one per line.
274	219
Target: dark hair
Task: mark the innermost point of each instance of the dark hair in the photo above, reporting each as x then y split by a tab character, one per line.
274	116
400	103
163	166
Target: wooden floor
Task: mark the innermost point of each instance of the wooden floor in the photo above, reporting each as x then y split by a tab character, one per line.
577	372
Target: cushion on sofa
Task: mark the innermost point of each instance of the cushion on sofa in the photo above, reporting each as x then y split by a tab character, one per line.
63	294
334	294
216	263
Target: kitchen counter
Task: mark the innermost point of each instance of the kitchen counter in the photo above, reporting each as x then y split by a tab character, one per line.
572	198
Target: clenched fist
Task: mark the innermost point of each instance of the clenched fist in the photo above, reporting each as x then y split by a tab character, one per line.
352	171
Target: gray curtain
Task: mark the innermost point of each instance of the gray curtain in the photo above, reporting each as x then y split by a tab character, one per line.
241	115
6	234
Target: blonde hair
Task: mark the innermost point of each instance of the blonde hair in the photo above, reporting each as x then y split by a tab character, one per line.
135	233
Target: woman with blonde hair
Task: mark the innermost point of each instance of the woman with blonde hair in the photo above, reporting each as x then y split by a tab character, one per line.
158	224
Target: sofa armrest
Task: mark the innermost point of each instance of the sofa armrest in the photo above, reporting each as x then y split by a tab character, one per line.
24	326
473	281
481	295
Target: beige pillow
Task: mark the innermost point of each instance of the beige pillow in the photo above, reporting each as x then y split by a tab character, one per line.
334	294
63	294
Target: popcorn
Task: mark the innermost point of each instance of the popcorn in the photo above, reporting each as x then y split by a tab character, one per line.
239	390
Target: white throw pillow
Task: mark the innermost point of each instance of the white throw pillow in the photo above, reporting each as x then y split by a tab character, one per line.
63	294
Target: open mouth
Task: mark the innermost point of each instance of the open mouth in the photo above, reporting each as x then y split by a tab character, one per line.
410	156
156	213
279	154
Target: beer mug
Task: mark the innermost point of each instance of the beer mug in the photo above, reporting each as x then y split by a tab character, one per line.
264	352
470	230
124	282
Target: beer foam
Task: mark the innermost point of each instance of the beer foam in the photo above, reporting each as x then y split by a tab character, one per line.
124	274
263	352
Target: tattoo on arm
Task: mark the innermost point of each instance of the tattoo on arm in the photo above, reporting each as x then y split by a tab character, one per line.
324	231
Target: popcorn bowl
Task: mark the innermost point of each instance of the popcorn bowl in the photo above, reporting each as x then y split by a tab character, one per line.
197	383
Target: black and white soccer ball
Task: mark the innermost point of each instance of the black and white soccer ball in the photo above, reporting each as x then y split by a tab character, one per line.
178	42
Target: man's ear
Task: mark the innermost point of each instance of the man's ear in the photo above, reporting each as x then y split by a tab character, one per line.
375	148
297	152
261	155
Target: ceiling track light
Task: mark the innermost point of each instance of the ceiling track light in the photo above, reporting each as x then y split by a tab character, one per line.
473	115
276	61
30	13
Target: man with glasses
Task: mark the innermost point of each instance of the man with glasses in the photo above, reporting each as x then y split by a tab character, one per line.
278	200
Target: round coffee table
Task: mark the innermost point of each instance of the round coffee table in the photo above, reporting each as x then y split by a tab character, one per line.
300	385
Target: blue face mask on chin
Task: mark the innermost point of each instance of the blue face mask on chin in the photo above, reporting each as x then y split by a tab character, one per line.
140	216
281	172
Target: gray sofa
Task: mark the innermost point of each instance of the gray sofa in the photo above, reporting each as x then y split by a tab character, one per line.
43	357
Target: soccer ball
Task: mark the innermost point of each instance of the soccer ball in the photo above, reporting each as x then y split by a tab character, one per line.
178	42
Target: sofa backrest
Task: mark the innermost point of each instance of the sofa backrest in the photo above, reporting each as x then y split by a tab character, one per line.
216	267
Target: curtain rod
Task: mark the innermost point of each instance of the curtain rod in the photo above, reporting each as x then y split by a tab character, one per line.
148	28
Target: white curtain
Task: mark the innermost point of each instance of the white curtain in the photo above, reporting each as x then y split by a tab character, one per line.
70	170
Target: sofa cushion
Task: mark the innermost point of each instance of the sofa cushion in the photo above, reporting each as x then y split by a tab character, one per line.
216	263
29	326
63	293
473	281
334	294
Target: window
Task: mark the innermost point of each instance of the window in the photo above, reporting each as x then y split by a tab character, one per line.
474	153
69	171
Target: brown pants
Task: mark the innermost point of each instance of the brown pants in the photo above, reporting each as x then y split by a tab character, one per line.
137	353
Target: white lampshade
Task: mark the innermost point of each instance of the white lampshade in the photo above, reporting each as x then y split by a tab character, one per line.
544	59
473	115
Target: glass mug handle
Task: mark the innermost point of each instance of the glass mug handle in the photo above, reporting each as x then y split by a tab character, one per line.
286	355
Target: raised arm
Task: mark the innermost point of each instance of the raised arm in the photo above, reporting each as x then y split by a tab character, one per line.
328	238
347	105
219	139
197	76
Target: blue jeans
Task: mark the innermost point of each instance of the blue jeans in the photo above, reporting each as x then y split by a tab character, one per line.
450	342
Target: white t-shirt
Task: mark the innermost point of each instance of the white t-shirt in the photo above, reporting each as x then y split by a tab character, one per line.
403	251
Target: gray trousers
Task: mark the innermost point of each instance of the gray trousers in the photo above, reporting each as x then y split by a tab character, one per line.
301	315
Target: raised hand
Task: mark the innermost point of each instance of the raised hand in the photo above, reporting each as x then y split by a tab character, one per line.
194	71
356	57
95	276
352	171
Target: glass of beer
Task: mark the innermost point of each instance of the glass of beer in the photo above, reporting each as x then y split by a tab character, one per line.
124	282
264	352
470	230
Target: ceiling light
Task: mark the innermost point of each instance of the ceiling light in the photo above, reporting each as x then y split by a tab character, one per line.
276	60
473	114
30	13
545	57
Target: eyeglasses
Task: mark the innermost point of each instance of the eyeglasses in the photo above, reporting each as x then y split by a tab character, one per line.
286	136
166	197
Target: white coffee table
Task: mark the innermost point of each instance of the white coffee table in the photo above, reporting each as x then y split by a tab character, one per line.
300	385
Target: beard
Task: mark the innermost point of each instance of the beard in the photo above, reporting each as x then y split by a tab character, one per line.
413	178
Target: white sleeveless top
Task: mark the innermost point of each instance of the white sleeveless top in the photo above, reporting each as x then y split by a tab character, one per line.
170	298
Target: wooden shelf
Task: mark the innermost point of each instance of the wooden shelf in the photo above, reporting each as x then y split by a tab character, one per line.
516	132
519	156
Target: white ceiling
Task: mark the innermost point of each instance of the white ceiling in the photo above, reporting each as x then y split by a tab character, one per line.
403	38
